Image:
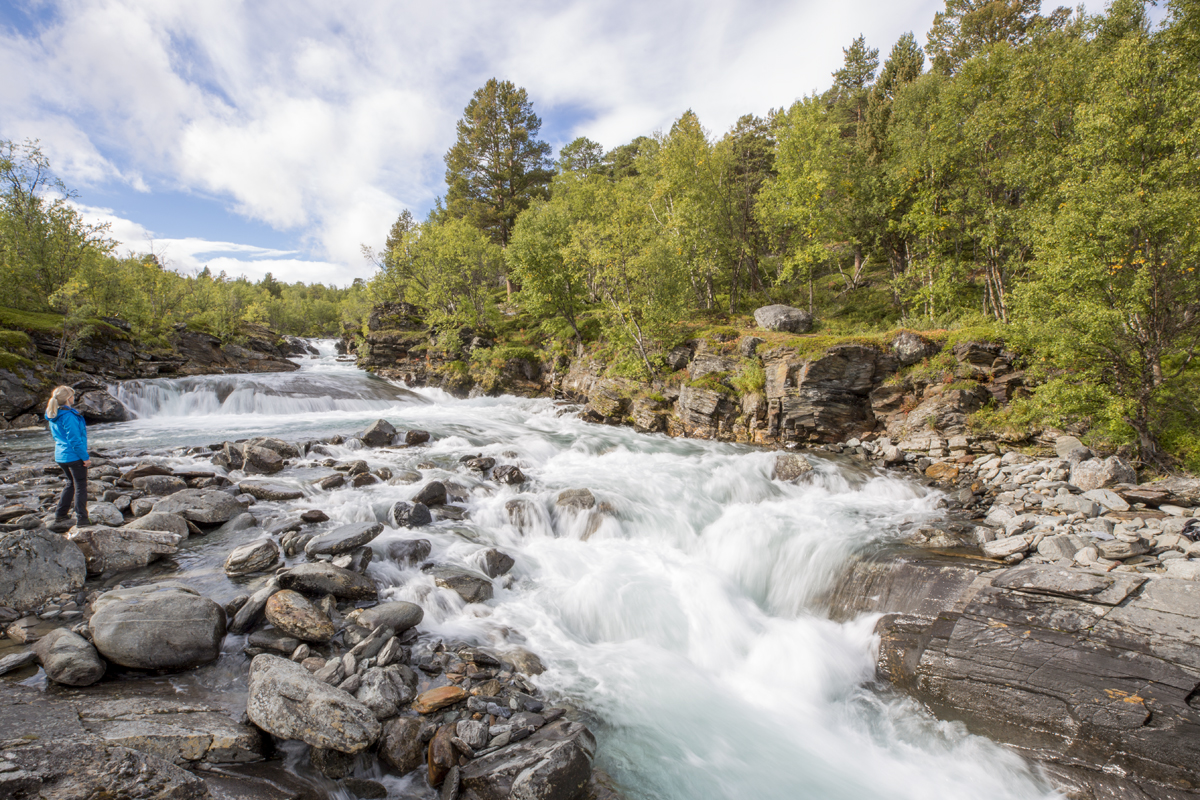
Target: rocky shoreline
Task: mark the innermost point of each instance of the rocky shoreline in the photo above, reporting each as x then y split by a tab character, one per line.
330	665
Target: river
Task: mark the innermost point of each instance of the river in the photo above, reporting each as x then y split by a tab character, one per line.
683	627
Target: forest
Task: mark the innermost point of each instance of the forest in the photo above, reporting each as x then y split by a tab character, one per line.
1024	177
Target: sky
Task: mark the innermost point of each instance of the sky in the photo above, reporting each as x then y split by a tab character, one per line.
281	137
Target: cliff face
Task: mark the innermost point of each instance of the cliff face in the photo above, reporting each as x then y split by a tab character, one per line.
732	388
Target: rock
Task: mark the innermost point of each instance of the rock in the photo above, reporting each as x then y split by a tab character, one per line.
416	437
431	494
436	699
68	658
400	745
331	763
178	730
158	626
1095	473
1066	445
943	471
790	466
1107	498
1182	568
474	733
264	490
378	434
524	661
1111	589
115	549
575	499
1117	550
909	348
481	464
409	551
344	539
407	515
397	616
783	318
289	702
277	446
98	406
332	481
292	613
378	693
274	640
555	763
496	562
105	514
508	474
321	579
205	506
257	556
443	756
1073	505
470	587
15	661
36	565
250	612
170	523
748	346
1002	548
261	461
314	515
160	485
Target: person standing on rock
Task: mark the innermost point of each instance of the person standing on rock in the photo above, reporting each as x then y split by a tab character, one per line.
71	453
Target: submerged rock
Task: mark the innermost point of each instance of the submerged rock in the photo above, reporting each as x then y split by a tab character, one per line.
379	434
790	466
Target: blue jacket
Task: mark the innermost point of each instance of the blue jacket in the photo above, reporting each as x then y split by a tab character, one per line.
70	436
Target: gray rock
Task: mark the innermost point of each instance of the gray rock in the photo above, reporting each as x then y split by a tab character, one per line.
508	474
205	506
265	490
1182	568
431	494
116	549
170	523
576	499
379	434
408	515
555	763
783	318
790	466
178	730
98	406
292	613
1002	548
1107	498
1074	505
18	660
105	514
470	587
289	702
1095	473
68	658
409	551
909	348
321	579
379	693
416	437
400	745
278	446
344	539
261	461
160	485
249	614
242	522
274	640
397	616
158	626
1117	550
36	565
257	556
496	562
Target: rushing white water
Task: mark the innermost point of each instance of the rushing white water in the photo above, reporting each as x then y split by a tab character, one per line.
682	626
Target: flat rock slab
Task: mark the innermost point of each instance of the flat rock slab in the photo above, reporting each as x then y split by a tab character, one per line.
344	539
115	549
266	490
288	702
322	579
36	565
206	506
439	698
175	730
1107	588
159	626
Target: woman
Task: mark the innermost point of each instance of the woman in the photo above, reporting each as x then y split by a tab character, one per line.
71	453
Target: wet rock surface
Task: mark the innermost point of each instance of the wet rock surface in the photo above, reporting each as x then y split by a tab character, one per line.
164	626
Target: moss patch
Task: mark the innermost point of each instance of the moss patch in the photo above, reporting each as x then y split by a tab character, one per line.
14	340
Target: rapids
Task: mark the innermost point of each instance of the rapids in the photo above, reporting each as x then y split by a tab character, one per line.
683	628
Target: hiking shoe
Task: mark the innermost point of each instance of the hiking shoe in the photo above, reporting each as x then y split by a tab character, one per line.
61	525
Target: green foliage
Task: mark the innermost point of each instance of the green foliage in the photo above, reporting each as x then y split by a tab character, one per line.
14	340
751	380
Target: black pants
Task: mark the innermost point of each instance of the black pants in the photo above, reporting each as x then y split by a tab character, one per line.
76	489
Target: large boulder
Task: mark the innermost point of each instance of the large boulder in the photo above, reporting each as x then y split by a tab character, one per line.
180	730
344	539
68	658
261	461
555	763
115	549
321	579
36	565
379	434
97	405
783	318
909	348
205	506
287	701
159	626
790	466
1095	473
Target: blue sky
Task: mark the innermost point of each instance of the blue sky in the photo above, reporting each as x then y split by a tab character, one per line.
279	137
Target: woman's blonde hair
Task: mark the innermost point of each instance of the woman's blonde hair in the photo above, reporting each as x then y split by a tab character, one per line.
61	396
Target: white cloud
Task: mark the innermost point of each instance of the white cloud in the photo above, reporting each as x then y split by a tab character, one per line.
327	119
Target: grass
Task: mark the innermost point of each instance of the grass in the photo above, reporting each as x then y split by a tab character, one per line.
11	361
14	340
31	321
